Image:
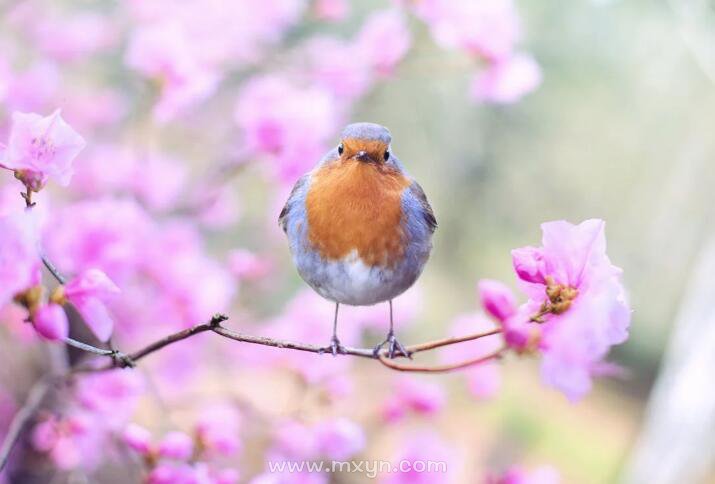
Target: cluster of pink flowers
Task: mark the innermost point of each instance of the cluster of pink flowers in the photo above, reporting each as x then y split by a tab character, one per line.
141	81
39	148
290	120
489	31
576	308
188	47
77	436
182	458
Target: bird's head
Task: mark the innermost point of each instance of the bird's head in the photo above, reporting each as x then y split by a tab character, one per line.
365	142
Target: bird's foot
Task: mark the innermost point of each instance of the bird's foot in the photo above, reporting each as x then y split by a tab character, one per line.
394	347
336	347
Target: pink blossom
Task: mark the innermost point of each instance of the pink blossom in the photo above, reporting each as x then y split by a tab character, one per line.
218	430
176	445
19	259
529	264
219	209
188	46
95	108
287	124
159	180
178	473
90	283
165	52
339	439
138	439
45	435
497	299
483	380
383	41
182	93
51	322
519	475
519	332
508	80
487	28
39	148
210	25
5	79
106	168
14	320
74	36
331	10
70	442
82	236
87	292
226	476
328	70
192	284
582	300
413	394
156	179
249	266
412	461
34	88
294	440
337	387
392	410
111	396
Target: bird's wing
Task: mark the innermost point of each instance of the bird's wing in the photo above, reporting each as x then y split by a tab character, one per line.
424	207
297	189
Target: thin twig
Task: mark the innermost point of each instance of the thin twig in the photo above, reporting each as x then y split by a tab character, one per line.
22	417
291	345
89	348
121	360
27	196
440	368
53	270
430	345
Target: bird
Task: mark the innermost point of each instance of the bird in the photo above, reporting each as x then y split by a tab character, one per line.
359	228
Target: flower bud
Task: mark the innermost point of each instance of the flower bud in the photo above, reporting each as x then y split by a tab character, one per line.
50	321
497	299
176	445
138	438
529	264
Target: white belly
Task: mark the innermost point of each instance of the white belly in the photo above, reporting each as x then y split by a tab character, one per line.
350	281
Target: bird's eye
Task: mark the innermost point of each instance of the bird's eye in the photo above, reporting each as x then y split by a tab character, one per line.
387	155
340	149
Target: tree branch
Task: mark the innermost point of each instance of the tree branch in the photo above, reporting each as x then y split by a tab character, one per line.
430	345
121	360
53	270
441	368
22	417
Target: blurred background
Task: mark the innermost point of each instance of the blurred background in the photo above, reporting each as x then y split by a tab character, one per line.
612	117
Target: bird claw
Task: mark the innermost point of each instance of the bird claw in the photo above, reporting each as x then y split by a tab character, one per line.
335	346
394	348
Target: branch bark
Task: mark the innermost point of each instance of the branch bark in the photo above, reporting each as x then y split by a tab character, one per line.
122	360
22	417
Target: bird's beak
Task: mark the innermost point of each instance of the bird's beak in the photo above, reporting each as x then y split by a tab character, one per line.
363	156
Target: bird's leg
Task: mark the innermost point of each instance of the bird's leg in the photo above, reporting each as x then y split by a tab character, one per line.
394	347
335	346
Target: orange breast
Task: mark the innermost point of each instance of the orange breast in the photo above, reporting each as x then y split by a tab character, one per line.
353	205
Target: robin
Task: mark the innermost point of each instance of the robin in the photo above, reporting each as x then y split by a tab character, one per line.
359	227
